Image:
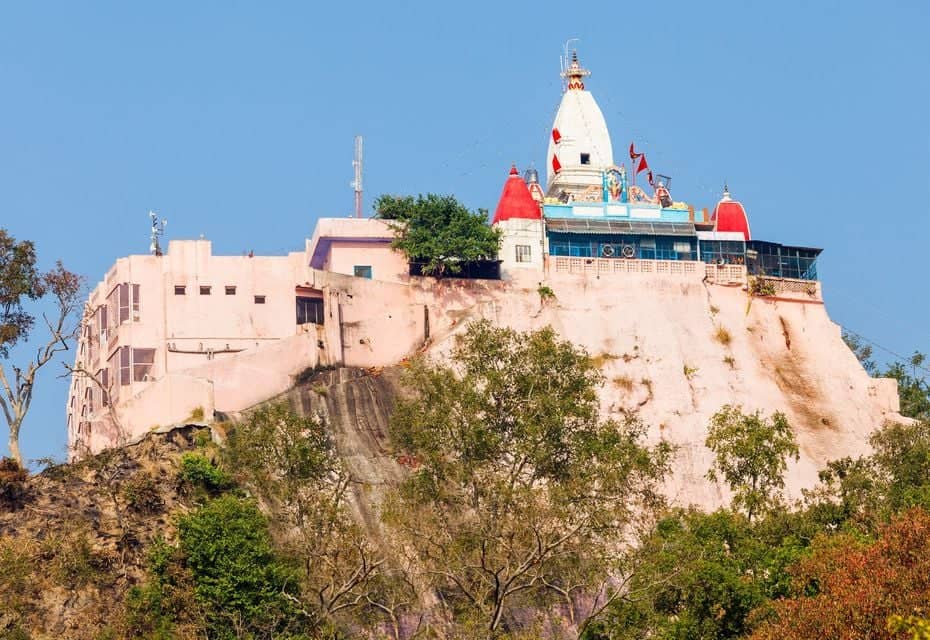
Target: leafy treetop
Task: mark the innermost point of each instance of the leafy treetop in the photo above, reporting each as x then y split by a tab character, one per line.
438	231
750	454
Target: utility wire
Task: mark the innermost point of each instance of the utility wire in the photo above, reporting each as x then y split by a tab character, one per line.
903	359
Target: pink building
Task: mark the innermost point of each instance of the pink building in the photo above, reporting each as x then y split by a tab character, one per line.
174	337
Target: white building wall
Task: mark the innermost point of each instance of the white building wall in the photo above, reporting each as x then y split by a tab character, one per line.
518	232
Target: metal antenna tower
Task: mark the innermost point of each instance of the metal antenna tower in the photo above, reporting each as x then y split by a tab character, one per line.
158	230
357	183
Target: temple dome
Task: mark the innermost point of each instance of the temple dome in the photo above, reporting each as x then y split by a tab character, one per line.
579	147
516	201
729	215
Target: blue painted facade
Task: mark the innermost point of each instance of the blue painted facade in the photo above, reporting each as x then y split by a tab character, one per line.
646	231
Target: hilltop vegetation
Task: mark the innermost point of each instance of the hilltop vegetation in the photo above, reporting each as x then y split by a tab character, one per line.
520	513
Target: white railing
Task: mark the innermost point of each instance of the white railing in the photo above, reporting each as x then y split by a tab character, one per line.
608	266
725	273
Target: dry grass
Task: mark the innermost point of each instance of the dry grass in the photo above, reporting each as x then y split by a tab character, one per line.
730	361
624	382
723	336
603	358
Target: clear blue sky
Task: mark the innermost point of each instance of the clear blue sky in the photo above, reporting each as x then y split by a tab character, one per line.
236	120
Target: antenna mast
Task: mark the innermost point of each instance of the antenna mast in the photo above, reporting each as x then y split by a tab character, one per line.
357	183
158	230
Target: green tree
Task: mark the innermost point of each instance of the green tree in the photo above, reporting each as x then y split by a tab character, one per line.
438	231
22	283
862	351
290	463
750	455
521	491
913	388
244	587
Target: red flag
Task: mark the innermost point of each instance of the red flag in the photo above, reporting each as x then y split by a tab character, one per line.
651	183
633	154
643	165
556	136
556	165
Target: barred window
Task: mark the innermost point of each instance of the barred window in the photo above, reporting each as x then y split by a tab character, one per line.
309	310
523	253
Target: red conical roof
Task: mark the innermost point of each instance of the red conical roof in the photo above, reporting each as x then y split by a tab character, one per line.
729	215
516	201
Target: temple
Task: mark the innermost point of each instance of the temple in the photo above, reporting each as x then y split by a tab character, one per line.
592	208
186	335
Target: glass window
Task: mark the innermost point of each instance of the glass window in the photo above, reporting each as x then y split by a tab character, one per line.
103	375
259	299
585	158
230	290
136	302
309	310
124	365
523	253
362	271
123	303
142	361
179	289
205	290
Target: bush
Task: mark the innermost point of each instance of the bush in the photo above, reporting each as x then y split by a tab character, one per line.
761	287
200	472
238	578
13	489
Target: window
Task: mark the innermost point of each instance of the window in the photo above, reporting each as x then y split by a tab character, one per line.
136	302
259	299
103	375
205	290
124	365
179	289
102	322
142	361
309	310
123	296
585	158
523	253
230	290
362	271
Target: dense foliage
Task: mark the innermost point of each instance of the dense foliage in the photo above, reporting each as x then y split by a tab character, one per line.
841	564
522	491
439	232
750	454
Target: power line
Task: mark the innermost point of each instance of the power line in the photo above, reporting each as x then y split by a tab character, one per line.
902	359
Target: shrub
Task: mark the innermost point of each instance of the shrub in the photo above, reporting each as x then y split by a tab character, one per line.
761	287
545	293
200	472
238	578
689	371
13	489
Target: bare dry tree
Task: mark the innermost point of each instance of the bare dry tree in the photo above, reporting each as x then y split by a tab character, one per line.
64	289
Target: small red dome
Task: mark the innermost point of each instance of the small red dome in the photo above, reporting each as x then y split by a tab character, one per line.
729	215
516	201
